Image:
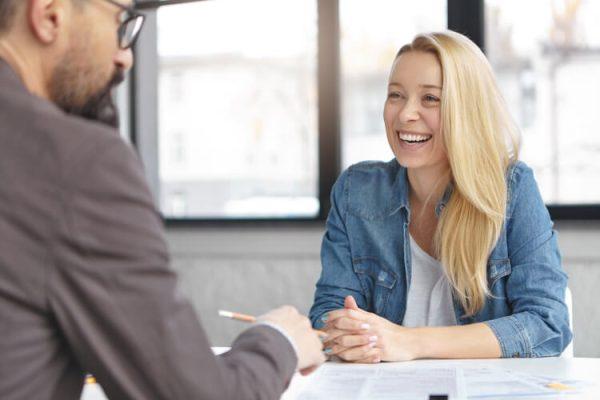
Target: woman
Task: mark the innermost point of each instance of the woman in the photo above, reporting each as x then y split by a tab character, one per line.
447	251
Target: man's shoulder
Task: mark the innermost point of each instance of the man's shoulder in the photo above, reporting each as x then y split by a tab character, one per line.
72	134
34	126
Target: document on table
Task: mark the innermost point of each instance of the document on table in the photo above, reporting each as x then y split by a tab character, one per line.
495	383
491	383
391	381
400	381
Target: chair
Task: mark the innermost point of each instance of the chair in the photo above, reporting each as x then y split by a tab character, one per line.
568	351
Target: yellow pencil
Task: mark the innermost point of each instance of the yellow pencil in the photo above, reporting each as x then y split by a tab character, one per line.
238	316
252	319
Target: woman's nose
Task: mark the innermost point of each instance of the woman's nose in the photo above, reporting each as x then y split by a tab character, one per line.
409	112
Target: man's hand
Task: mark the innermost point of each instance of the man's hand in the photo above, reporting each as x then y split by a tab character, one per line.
306	339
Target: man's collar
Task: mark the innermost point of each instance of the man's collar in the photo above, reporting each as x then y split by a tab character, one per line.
9	76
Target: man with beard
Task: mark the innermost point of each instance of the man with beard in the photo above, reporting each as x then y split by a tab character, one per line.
84	279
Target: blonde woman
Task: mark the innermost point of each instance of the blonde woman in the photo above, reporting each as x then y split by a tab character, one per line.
447	251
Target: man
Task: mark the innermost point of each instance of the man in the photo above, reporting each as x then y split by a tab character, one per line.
84	278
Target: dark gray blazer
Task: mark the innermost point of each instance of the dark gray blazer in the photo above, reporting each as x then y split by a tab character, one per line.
85	284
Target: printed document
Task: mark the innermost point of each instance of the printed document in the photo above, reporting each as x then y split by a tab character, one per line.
386	382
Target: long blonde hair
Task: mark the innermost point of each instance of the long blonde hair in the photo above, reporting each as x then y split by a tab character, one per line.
481	141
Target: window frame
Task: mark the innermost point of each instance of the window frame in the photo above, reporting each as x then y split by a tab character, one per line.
464	16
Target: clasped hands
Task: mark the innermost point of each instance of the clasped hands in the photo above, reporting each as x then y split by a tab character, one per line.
355	335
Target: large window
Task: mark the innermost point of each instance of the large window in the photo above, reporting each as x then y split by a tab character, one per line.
249	109
237	109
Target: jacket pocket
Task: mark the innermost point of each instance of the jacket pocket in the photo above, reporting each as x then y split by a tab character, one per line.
377	282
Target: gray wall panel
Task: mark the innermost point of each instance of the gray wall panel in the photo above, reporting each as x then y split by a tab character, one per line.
253	269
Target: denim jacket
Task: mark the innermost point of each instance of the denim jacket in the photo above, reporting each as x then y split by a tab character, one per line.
366	254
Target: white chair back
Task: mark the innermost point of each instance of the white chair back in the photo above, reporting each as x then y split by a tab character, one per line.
568	351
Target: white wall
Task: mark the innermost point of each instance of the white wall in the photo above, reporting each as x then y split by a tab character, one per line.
255	268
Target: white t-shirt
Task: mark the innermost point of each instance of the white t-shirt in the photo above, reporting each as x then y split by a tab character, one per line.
429	300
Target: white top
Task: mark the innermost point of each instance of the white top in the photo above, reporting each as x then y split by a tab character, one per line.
429	300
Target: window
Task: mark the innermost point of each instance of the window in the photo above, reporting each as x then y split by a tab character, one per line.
237	109
546	55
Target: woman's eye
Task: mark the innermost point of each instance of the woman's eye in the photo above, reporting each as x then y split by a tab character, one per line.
431	99
394	95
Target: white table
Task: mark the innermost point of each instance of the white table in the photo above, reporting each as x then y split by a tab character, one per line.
586	369
583	369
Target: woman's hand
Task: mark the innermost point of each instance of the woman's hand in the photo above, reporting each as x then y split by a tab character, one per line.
360	336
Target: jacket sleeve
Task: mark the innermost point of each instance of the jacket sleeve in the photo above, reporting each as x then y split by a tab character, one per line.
539	324
116	301
338	279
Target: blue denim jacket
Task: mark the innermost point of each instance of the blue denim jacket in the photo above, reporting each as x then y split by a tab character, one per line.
366	254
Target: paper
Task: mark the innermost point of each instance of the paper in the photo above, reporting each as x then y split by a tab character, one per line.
400	381
391	381
489	383
495	383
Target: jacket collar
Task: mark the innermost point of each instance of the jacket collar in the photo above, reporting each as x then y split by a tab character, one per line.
400	191
445	198
9	77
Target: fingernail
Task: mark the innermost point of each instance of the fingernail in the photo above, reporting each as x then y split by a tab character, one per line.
376	360
365	326
324	317
372	338
371	345
328	351
323	338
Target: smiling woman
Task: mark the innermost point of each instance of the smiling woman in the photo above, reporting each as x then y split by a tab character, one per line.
447	251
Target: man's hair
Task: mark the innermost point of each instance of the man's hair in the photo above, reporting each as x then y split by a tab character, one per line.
8	9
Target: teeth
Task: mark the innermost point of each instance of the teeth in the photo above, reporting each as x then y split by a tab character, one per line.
414	138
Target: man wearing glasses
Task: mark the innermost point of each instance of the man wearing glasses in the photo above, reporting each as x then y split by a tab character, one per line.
84	279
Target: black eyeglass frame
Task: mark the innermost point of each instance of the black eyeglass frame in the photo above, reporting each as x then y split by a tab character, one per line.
132	17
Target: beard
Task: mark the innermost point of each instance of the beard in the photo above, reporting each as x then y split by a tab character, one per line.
101	106
71	89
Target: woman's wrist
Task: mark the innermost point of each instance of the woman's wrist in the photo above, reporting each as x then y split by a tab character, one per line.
417	342
407	344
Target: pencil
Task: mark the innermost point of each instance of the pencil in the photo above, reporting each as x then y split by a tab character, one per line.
252	319
238	316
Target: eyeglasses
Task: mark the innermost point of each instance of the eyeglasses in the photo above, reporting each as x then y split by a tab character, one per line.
131	25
